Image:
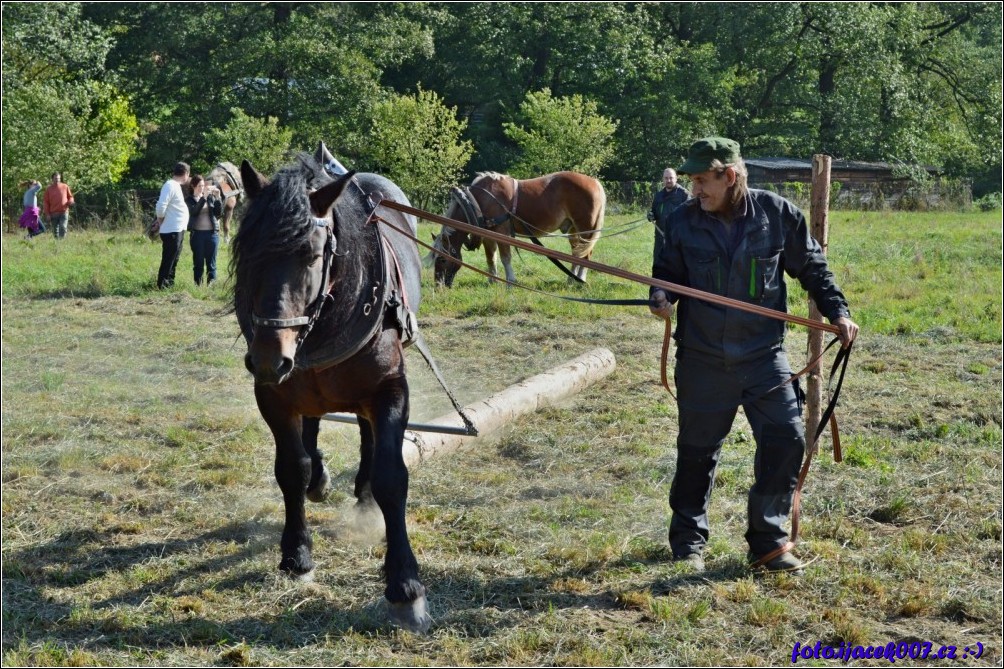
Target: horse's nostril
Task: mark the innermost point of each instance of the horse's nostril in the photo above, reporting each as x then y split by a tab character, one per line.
247	363
285	367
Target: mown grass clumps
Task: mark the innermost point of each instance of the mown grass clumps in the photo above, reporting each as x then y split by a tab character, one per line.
141	519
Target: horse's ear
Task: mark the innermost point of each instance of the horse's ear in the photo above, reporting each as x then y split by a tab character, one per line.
254	181
322	199
322	155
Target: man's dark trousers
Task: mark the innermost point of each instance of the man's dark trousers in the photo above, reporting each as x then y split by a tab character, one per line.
170	252
709	392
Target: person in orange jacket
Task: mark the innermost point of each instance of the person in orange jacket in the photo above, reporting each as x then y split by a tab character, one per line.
56	205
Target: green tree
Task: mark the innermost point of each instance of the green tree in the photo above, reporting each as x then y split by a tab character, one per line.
261	141
316	67
62	109
416	141
556	134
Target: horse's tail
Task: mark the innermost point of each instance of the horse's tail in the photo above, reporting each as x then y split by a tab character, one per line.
588	241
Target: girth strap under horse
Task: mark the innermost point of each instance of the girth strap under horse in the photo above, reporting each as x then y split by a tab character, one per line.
842	359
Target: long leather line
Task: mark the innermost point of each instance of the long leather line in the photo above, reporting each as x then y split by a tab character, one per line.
628	302
842	356
615	271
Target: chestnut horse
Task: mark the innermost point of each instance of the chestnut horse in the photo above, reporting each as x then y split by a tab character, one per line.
323	296
568	201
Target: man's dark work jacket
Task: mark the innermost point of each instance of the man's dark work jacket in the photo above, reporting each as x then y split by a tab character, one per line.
774	239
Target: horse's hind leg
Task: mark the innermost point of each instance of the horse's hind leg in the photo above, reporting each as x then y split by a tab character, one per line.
405	593
320	479
363	490
506	252
582	242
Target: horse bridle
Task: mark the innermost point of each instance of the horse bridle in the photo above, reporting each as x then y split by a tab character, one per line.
323	293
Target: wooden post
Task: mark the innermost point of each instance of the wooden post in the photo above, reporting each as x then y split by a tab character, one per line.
820	231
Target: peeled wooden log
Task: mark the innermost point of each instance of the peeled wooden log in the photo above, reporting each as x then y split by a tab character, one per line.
537	392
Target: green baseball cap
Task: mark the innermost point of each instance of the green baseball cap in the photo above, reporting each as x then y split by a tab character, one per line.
703	151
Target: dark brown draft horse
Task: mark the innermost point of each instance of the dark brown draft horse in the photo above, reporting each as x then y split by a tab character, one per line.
323	299
568	201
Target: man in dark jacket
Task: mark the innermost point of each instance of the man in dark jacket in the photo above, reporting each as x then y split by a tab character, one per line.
668	199
736	242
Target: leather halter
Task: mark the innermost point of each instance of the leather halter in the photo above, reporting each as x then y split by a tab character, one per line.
315	307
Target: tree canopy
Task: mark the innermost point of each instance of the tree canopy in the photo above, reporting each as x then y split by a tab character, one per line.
117	92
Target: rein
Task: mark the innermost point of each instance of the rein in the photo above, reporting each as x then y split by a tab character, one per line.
841	361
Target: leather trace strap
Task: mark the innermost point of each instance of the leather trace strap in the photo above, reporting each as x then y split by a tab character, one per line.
470	429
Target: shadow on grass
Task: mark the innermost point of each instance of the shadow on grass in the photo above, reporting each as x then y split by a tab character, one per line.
35	612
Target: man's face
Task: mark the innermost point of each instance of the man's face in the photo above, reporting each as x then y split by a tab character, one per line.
56	178
712	189
669	179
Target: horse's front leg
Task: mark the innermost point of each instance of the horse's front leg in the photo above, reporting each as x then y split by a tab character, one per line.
292	472
405	593
490	248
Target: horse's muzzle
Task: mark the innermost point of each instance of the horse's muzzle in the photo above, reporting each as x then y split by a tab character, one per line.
271	372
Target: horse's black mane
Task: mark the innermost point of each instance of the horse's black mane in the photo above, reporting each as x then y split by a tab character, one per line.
278	221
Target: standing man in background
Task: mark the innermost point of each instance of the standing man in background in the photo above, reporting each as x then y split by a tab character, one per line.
669	198
172	219
56	204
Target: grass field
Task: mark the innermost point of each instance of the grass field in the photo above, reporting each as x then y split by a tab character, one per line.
141	519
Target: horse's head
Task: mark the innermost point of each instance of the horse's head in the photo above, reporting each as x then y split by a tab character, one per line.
282	260
450	242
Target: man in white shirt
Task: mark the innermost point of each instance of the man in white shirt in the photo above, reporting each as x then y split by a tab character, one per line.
172	217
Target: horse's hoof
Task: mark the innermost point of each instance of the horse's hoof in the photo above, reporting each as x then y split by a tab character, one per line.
320	491
411	616
300	568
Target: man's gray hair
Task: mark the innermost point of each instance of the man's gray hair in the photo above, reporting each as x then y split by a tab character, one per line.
741	187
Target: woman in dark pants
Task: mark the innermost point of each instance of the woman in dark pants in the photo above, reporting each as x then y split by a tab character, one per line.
204	210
